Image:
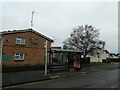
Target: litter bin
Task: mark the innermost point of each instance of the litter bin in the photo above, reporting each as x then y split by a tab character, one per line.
77	66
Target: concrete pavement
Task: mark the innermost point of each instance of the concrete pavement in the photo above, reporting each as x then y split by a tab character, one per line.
13	78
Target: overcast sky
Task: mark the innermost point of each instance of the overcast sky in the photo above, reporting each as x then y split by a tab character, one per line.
57	19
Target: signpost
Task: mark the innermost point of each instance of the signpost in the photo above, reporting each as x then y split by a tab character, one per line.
46	46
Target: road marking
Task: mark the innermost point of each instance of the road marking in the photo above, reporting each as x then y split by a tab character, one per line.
54	77
83	72
113	87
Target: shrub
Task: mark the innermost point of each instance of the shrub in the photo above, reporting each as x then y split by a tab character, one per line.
85	60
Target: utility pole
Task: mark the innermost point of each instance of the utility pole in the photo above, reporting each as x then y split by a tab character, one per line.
46	46
32	19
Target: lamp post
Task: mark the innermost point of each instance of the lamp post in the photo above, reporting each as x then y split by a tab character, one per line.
46	46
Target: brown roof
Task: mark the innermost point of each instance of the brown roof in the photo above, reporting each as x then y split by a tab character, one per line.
26	30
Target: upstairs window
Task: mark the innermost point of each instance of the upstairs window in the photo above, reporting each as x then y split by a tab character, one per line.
19	56
20	41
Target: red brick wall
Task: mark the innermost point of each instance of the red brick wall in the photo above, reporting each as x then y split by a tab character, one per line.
34	53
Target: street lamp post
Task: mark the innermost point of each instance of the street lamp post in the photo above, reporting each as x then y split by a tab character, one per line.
46	46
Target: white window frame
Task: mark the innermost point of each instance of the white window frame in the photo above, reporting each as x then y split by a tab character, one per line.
19	58
20	41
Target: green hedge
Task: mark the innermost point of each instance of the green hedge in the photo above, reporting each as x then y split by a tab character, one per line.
85	60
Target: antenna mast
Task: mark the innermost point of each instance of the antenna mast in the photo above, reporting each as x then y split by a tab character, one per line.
32	19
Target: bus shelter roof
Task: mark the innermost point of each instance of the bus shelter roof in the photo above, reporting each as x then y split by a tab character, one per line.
64	50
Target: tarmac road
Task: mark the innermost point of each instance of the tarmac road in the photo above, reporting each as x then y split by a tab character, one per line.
107	78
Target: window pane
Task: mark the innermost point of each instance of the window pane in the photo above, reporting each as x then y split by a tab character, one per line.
22	41
16	57
19	56
18	41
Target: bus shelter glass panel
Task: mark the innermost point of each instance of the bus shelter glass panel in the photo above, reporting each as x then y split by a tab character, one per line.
59	58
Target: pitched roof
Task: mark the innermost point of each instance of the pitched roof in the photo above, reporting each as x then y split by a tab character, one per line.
26	30
106	51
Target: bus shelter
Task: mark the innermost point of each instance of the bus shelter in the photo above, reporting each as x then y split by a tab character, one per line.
60	58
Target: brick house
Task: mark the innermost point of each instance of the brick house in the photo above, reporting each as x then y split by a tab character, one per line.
24	47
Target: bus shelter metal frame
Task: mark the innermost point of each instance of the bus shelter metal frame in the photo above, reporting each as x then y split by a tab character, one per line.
51	51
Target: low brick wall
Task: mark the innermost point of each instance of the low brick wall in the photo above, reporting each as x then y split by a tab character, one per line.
6	69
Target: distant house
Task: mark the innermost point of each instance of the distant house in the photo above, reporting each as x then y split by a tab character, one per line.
118	55
24	47
113	56
99	55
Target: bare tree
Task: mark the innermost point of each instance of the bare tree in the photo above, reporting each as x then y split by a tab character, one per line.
85	39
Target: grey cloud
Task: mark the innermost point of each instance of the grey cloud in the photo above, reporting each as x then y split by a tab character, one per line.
58	19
